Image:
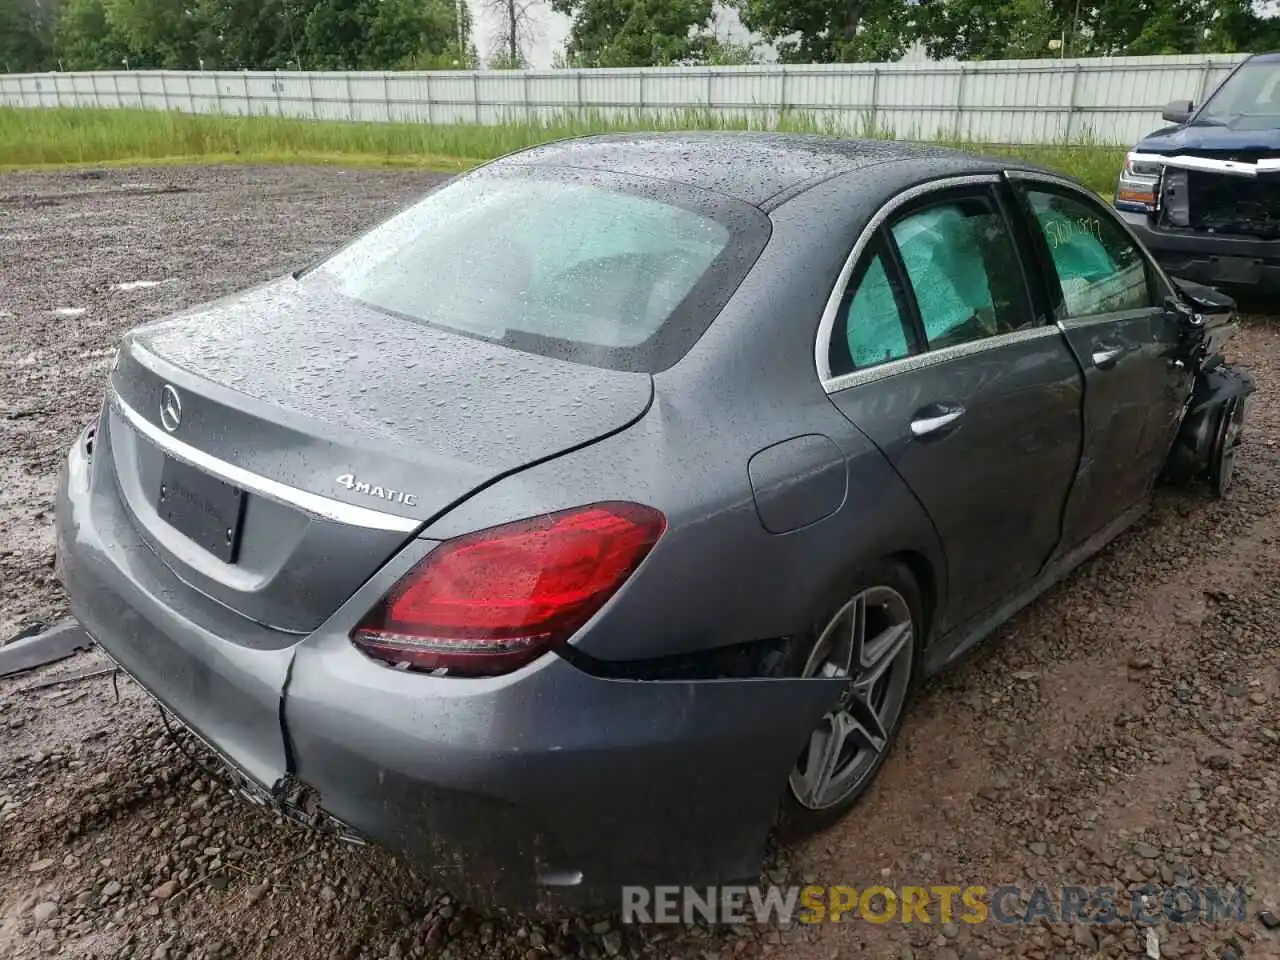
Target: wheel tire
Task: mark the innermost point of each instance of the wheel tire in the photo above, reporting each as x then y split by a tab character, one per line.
799	819
1226	443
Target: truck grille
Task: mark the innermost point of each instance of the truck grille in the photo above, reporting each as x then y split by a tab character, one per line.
1248	206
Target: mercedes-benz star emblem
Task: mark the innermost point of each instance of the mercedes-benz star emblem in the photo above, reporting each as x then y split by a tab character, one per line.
170	408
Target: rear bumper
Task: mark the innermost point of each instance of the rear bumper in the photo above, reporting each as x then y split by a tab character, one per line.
1229	262
545	786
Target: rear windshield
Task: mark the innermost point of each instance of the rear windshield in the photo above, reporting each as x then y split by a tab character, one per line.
613	271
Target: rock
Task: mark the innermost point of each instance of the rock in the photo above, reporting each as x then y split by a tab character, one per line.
1140	661
1268	919
1085	937
40	866
1038	848
1219	761
950	930
256	892
328	894
1146	850
43	911
1221	844
600	926
165	890
1258	698
612	942
111	889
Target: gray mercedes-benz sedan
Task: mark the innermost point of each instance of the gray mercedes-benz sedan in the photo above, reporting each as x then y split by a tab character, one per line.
600	510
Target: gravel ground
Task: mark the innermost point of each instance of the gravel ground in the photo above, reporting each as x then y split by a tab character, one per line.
1125	729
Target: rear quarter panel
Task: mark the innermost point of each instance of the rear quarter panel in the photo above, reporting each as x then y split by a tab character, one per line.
717	576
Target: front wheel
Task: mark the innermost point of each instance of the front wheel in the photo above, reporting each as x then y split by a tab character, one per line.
1222	461
871	641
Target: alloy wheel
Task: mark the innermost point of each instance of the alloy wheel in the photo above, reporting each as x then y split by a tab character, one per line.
1228	444
871	642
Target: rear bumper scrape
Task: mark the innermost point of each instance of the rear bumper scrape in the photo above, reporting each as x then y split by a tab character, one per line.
551	786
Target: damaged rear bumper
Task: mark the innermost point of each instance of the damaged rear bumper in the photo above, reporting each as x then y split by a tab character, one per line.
547	786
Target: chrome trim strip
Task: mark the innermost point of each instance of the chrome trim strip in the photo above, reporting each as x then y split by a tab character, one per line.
1235	168
1075	323
822	345
320	507
934	357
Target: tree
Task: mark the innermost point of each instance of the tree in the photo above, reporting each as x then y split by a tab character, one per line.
990	29
516	31
832	31
165	34
635	33
377	34
1003	29
726	53
85	38
25	33
255	34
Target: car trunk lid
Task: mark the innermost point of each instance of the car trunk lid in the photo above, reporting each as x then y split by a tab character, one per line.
345	428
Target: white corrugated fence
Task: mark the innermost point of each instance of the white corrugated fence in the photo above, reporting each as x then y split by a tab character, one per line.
1109	100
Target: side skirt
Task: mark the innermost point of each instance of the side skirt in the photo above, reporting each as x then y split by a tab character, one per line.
947	650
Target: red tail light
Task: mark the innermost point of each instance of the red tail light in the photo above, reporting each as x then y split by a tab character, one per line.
492	601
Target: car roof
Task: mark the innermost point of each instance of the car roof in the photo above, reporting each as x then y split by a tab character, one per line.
758	168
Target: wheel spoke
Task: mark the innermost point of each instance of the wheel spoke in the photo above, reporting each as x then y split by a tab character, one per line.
866	724
880	654
825	747
857	628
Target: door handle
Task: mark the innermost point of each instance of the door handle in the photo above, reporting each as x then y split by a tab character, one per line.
933	422
1106	359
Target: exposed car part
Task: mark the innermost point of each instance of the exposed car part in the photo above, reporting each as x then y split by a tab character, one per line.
1227	205
1211	429
1217	195
57	643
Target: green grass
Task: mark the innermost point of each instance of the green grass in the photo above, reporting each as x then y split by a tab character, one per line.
79	136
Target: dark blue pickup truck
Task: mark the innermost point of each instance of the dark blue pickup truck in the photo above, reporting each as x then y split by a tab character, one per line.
1204	193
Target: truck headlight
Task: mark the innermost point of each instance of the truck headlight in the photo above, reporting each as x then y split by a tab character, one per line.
1138	182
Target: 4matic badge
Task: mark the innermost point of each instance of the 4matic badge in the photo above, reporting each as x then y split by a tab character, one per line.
349	481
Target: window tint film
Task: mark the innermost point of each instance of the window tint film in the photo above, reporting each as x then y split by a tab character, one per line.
874	325
963	271
1098	266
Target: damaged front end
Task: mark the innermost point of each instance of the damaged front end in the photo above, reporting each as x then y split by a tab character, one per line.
1221	396
1236	196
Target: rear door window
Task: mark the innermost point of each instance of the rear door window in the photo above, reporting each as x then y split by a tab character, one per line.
873	317
942	274
963	270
